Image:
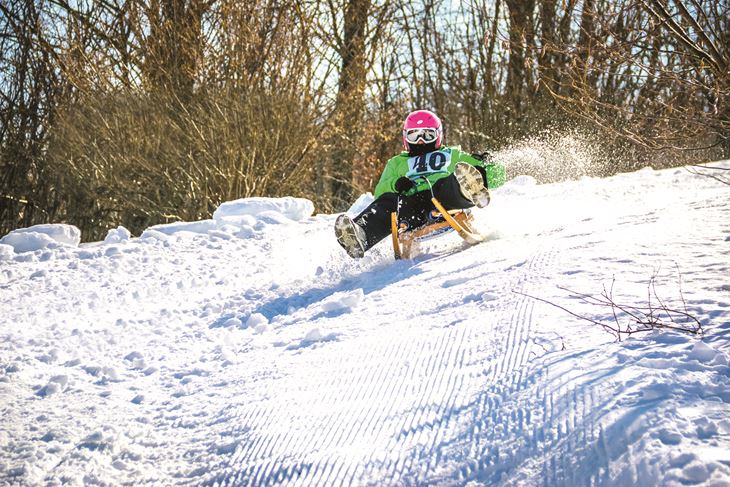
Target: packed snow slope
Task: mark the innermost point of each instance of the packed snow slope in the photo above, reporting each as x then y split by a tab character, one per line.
250	350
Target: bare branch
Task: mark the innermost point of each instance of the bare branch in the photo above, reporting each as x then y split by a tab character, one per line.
642	319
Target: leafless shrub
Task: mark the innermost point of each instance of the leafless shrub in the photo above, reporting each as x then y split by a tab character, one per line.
139	160
630	319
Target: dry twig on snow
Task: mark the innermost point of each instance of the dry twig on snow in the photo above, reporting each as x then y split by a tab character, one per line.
716	176
629	319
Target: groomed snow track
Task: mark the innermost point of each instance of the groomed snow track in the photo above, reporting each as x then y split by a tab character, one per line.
267	357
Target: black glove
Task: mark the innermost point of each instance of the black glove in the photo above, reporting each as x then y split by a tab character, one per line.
485	156
403	184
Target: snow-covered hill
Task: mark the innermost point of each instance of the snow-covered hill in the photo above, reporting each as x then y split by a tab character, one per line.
249	350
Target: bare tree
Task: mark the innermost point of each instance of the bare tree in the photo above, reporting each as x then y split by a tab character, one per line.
657	76
221	87
31	88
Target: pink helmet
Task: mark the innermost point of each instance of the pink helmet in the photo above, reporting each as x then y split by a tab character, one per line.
422	124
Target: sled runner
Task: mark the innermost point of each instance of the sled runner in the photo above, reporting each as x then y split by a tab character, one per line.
441	221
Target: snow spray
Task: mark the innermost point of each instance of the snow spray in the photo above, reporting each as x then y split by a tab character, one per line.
553	156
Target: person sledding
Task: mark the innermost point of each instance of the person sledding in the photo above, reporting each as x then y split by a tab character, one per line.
426	169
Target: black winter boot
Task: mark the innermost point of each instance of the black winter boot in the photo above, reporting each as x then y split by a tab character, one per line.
471	184
350	236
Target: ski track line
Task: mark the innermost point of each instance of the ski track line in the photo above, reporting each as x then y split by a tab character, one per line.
404	430
412	400
520	323
416	427
508	371
498	416
517	349
385	389
258	454
420	421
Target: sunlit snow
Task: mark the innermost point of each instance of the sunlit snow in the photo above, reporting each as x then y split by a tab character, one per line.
248	349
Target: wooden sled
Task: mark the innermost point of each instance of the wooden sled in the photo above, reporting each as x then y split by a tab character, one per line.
458	220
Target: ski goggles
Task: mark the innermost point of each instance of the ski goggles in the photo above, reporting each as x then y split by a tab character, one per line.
426	135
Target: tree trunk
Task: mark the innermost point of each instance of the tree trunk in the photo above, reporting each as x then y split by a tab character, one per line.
350	101
520	20
549	73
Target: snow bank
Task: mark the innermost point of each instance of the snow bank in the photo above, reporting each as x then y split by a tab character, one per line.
203	226
117	235
239	218
232	212
44	236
